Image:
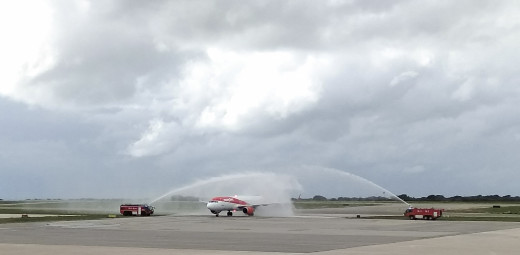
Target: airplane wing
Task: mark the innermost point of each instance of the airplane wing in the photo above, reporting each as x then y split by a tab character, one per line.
254	205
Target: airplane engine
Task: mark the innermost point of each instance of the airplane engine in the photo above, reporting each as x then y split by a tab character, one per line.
249	210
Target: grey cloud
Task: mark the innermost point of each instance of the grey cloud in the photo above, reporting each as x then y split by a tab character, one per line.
104	59
391	91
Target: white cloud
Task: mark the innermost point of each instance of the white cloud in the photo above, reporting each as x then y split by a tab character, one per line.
414	170
465	91
208	87
25	27
403	77
241	86
158	138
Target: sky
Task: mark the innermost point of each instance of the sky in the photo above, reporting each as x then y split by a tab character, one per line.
113	98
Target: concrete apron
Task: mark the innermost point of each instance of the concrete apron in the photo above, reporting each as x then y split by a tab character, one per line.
485	243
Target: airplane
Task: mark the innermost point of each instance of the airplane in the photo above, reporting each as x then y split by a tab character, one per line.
230	204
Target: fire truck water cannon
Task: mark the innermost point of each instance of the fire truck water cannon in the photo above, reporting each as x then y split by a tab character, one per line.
136	210
423	213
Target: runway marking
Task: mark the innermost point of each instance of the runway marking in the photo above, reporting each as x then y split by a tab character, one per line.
87	250
81	225
315	217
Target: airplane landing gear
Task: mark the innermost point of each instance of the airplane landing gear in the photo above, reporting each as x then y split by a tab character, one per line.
229	213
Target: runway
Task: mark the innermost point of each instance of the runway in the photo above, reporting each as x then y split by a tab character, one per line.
247	235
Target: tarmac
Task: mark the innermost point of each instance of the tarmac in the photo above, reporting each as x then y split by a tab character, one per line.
305	234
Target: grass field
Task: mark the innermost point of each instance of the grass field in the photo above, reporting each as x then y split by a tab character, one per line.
67	210
472	212
508	213
310	204
504	210
53	218
49	210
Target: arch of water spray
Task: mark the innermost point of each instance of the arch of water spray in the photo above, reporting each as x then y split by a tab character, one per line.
357	178
249	183
277	186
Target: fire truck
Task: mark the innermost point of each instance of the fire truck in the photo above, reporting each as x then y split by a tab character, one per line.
136	210
422	213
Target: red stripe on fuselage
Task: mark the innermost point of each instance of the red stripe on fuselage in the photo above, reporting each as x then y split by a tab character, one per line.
230	200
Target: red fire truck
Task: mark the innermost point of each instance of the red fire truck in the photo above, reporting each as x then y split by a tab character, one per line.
136	210
422	213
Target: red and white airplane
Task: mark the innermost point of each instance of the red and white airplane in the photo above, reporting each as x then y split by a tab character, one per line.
231	204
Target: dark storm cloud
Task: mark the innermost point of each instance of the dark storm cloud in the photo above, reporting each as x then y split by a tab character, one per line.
105	57
169	91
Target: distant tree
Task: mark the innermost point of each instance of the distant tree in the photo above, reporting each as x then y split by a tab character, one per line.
405	197
430	198
319	198
436	198
456	198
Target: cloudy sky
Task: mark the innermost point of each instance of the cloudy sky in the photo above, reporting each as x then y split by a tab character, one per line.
107	98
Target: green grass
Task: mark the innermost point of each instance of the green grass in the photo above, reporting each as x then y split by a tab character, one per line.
5	202
502	214
53	218
4	210
56	209
490	210
453	218
330	204
480	218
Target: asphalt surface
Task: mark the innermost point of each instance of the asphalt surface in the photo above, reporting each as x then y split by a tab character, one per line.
215	235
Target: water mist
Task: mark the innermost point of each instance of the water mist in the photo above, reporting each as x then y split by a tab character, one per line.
268	188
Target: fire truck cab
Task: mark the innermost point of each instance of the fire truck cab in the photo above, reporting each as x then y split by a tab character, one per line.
422	213
136	210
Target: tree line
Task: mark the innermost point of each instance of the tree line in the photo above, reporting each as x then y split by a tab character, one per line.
477	198
433	198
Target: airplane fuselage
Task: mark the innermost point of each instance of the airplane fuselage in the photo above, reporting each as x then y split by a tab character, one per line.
229	204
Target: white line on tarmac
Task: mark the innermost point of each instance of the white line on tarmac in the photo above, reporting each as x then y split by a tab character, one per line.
21	249
484	243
